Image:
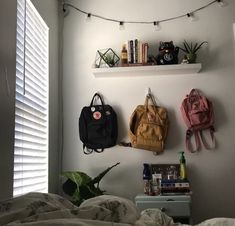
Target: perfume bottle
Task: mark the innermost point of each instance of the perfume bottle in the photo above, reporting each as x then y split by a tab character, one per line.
124	57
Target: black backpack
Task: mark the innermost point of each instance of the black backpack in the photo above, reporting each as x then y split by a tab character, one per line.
98	127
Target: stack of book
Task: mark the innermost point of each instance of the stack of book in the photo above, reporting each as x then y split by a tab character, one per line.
137	52
175	187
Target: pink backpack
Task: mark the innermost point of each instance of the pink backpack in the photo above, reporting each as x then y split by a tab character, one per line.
198	114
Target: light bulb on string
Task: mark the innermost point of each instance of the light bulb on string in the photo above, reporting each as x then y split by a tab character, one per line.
88	18
121	26
191	16
157	26
221	3
65	10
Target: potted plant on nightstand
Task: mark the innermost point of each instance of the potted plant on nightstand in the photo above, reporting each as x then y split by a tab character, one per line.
191	51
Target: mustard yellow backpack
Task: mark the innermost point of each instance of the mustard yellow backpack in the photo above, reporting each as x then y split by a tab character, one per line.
148	126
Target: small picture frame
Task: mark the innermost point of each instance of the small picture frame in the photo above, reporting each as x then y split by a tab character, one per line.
166	171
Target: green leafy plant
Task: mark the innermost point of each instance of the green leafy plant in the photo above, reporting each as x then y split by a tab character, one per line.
79	186
108	58
192	48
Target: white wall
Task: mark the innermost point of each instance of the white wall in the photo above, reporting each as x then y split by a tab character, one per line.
211	172
7	94
50	13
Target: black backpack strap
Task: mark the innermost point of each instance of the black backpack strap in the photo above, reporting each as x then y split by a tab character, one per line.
88	151
125	144
93	98
98	150
102	103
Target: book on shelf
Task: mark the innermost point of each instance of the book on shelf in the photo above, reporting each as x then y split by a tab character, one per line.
175	187
137	52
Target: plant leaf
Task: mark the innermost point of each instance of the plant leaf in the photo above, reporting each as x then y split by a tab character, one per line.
187	47
195	47
101	175
191	47
79	178
80	186
200	46
69	187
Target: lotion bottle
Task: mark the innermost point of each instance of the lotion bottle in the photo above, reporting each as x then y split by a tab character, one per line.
183	173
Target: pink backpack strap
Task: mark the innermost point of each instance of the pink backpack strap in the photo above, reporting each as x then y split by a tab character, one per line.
189	134
205	144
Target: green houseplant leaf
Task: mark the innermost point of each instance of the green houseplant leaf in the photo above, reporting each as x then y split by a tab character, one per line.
191	48
79	186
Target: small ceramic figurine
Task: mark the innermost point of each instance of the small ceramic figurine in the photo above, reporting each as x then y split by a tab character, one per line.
168	53
185	60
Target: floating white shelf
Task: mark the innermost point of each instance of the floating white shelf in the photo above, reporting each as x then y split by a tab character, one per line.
174	69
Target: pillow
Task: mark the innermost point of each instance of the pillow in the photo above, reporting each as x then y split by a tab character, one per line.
122	210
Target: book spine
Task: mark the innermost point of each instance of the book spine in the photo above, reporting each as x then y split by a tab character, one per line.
136	51
145	52
140	55
131	52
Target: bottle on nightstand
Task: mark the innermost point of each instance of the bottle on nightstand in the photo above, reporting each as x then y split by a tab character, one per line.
147	179
183	174
156	183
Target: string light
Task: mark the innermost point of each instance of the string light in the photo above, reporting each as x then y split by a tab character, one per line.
88	18
191	16
121	25
65	10
156	25
221	3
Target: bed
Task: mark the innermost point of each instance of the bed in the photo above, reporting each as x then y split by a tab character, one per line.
50	209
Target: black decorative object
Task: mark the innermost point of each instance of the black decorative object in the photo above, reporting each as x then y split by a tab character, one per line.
106	58
168	53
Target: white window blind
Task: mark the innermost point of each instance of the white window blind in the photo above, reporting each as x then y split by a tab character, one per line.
31	114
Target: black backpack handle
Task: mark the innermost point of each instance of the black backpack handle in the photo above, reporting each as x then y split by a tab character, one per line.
93	98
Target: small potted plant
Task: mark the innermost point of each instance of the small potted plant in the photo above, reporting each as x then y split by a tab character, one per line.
191	51
79	186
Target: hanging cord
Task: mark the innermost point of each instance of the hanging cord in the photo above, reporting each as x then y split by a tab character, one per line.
7	82
140	22
24	47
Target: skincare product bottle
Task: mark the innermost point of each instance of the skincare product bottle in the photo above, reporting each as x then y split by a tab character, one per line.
183	173
147	179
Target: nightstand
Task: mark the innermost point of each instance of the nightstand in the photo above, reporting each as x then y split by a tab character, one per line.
177	206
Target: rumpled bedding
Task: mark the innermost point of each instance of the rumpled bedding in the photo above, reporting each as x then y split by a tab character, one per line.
219	221
51	209
44	209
